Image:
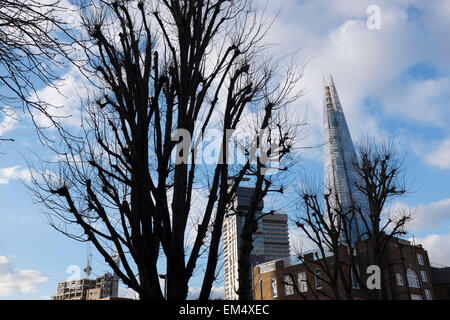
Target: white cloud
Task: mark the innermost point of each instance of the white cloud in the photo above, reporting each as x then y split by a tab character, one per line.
368	63
65	99
193	293
216	293
12	173
299	242
430	215
197	211
13	280
440	157
364	62
9	120
423	101
437	248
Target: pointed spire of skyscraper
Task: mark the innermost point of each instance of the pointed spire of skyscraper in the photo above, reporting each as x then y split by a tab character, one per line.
340	177
331	80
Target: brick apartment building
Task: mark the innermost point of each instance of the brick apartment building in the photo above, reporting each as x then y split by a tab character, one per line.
407	277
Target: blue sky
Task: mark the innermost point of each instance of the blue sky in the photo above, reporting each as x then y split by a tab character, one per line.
393	81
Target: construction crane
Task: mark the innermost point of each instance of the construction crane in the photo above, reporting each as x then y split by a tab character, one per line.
115	284
88	269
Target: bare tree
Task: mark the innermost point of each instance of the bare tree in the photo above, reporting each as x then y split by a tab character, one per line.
163	73
329	225
324	225
286	132
30	49
380	165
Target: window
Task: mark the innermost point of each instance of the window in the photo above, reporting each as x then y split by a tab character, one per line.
423	275
399	279
416	297
428	295
355	283
302	284
274	288
413	281
318	279
420	259
288	285
261	289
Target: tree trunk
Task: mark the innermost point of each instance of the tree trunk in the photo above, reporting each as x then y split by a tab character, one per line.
244	263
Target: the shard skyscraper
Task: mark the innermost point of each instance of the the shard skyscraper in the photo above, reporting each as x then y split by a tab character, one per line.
340	177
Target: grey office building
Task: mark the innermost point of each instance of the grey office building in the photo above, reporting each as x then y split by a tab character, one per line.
271	240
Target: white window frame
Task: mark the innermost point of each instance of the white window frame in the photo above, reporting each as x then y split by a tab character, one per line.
302	282
355	283
273	284
413	280
261	293
420	259
416	297
400	281
318	279
288	285
423	275
428	295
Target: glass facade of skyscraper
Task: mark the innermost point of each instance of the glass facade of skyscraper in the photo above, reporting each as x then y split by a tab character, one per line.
340	177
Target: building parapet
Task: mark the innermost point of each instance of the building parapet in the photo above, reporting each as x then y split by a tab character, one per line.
271	265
